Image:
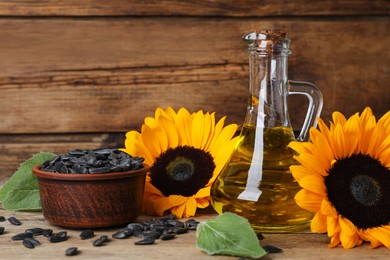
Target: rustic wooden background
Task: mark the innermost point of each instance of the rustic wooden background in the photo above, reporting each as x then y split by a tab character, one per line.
79	74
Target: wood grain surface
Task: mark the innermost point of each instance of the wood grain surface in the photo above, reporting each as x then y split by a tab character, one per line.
92	70
304	245
240	8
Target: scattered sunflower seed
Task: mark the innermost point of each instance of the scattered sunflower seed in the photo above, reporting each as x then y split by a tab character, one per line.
260	236
100	241
30	242
57	238
2	230
123	233
272	249
86	234
47	232
71	251
146	241
14	221
35	231
167	236
2	219
21	236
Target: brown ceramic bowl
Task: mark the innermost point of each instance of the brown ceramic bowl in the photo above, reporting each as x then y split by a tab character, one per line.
91	200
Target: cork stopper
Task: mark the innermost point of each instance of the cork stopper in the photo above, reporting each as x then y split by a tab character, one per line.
274	33
267	42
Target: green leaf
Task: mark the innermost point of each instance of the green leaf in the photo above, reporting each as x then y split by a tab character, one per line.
228	234
28	200
21	191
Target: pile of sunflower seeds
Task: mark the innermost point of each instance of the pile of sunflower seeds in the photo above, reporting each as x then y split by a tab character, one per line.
147	232
93	161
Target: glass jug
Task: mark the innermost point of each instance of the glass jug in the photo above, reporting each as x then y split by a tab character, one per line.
256	183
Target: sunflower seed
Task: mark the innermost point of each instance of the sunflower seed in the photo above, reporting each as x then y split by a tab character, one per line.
47	232
14	221
260	236
35	231
146	241
180	230
123	233
59	237
135	226
21	236
62	234
167	236
2	230
272	249
88	233
100	241
2	219
71	251
30	242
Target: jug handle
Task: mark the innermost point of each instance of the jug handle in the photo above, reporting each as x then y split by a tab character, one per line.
315	104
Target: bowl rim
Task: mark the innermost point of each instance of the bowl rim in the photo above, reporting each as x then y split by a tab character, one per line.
88	177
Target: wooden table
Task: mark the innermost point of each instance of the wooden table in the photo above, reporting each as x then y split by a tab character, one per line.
304	245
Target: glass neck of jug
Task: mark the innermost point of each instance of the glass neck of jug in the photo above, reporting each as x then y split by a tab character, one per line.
268	90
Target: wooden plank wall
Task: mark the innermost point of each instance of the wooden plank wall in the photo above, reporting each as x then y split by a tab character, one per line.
79	74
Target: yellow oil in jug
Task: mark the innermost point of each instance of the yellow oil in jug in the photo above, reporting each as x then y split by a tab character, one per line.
275	210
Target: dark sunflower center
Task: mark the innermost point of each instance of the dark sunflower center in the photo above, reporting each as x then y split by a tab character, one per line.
182	171
358	187
365	190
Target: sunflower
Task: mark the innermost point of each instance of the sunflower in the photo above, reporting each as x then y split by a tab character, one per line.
345	176
186	152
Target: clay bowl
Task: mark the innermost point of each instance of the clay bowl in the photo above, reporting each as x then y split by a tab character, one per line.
91	200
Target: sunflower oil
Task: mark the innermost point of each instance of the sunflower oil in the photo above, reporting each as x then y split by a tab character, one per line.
274	210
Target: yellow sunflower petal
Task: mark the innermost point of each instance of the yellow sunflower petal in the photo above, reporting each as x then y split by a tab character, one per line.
178	211
225	135
211	132
311	162
324	130
183	124
298	172
300	147
148	136
197	130
314	184
348	234
334	241
308	200
328	209
339	142
377	236
321	148
377	137
318	223
172	135
333	226
338	118
217	130
202	193
203	202
368	124
207	128
385	120
190	208
352	129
